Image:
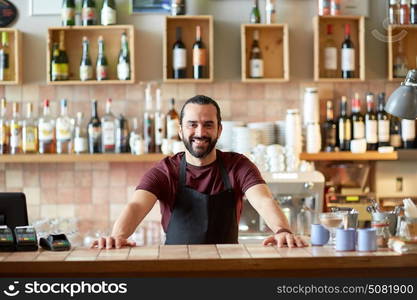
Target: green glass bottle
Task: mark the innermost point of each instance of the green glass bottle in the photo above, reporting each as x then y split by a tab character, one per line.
68	12
63	57
86	69
55	63
255	14
101	65
123	65
108	13
4	57
89	13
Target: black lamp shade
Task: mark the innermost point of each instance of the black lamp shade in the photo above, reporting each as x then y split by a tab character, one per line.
403	103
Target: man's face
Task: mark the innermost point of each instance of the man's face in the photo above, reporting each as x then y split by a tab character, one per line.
199	129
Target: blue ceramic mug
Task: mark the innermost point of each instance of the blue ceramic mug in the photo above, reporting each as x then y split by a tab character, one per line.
367	239
345	239
319	235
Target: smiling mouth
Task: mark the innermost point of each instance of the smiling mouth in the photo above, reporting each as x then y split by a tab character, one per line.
199	142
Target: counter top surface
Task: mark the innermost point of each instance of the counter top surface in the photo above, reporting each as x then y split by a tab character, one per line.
206	260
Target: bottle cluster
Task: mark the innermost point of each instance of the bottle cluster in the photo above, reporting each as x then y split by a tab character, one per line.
403	12
88	14
329	7
376	128
270	12
67	134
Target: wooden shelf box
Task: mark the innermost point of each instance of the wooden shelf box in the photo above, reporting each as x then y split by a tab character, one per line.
404	36
357	25
73	47
274	44
188	25
15	57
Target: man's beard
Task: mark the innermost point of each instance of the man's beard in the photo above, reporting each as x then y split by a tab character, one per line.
200	153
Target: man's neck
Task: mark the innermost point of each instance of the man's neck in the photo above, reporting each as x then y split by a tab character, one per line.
200	162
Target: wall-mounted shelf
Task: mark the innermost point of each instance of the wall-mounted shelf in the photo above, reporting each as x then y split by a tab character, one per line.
406	37
15	57
274	44
370	155
357	24
73	43
73	158
188	25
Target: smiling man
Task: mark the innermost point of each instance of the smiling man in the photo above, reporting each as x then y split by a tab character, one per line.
200	190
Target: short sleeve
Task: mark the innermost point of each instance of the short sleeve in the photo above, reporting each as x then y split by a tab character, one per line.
248	174
155	181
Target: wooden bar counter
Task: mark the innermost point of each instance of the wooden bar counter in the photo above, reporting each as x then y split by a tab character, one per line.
242	260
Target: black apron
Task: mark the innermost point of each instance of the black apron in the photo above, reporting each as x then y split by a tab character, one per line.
198	218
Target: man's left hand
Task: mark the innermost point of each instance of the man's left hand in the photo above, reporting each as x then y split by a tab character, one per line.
285	239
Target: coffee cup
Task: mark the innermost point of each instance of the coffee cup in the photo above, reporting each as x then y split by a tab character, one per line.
319	235
345	239
367	239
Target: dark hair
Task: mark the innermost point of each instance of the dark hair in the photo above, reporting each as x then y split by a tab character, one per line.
202	100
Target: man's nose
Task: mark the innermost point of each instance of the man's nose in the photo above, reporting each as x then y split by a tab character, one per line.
199	131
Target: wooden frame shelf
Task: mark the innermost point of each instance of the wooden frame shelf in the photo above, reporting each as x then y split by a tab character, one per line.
73	158
405	36
274	44
188	25
15	57
73	42
357	24
370	155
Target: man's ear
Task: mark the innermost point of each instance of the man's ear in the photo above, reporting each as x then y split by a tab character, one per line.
180	133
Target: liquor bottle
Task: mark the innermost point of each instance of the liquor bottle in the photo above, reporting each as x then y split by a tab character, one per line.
335	7
256	62
15	130
199	56
46	130
348	55
172	121
55	64
122	135
4	57
149	122
4	128
408	133
255	14
159	123
108	13
63	58
383	123
330	54
86	69
330	129
345	126
80	135
135	138
394	11
178	7
108	131
405	12
179	57
400	62
413	12
123	64
324	7
270	12
371	124
68	13
101	64
64	130
395	133
29	132
88	12
358	122
94	130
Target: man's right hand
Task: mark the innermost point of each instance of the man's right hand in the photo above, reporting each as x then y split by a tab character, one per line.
111	242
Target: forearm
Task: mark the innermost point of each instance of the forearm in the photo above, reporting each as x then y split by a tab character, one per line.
128	220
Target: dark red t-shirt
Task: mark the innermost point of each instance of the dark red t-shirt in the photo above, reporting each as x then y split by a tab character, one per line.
162	180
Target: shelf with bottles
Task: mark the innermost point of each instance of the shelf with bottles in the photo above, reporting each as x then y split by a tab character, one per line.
73	40
273	63
346	155
181	52
11	45
402	52
329	37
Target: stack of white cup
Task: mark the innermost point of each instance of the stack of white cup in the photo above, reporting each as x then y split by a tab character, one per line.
312	120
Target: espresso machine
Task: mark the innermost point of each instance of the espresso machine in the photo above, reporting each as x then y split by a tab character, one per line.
300	196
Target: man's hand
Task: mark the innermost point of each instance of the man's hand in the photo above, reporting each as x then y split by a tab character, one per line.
285	239
110	242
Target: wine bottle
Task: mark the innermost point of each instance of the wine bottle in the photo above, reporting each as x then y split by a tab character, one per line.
345	126
179	57
4	128
80	135
199	56
395	133
94	130
55	63
172	122
123	63
149	122
270	12
68	13
46	130
101	64
408	133
4	57
256	63
348	55
383	123
178	7
255	14
63	58
86	69
108	135
404	12
89	13
330	129
330	54
64	130
358	122
394	12
413	12
122	135
371	124
15	130
108	13
29	132
159	122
